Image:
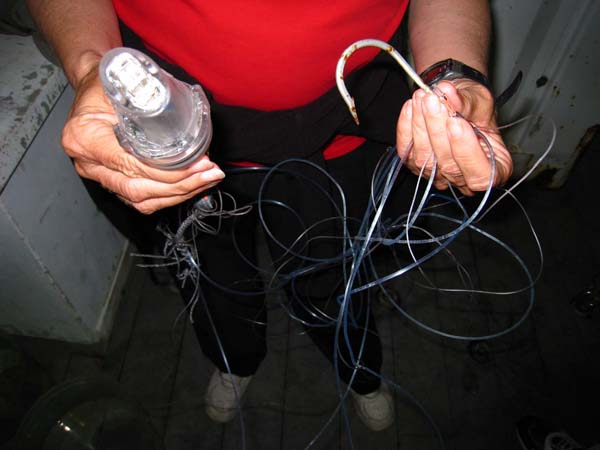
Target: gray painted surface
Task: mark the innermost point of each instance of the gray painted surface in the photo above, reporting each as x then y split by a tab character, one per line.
29	86
31	303
47	199
60	256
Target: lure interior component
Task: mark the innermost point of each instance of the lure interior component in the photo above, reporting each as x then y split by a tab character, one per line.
163	121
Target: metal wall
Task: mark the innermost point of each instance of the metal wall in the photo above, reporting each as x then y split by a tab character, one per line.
555	44
59	257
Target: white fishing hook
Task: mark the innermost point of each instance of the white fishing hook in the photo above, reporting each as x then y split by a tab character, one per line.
339	71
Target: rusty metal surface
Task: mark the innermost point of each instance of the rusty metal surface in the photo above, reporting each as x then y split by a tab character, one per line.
558	57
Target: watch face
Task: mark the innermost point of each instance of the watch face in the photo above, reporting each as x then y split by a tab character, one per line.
437	72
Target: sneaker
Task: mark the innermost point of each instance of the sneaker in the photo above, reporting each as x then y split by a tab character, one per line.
224	394
376	409
537	434
561	441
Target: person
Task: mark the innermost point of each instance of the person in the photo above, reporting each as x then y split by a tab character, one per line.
268	67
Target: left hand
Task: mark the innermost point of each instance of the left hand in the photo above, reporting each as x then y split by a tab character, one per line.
462	158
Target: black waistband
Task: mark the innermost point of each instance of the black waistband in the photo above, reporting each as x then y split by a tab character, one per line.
245	134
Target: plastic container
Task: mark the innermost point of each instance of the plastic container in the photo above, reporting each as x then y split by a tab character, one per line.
87	414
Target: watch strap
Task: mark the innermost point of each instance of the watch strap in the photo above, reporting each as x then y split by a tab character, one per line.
451	69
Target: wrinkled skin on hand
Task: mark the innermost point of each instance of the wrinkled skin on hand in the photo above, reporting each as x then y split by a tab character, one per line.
88	138
463	159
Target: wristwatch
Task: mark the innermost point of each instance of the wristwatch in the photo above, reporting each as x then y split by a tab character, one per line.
451	69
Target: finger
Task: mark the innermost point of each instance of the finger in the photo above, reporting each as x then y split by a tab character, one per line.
466	191
471	158
116	158
463	189
404	130
422	151
154	204
436	117
473	100
452	96
91	139
131	166
142	189
441	184
136	190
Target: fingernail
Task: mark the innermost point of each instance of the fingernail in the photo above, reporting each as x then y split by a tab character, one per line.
455	127
433	104
216	173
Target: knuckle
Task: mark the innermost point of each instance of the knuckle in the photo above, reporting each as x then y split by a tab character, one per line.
78	137
478	183
123	189
131	191
441	185
423	159
186	187
181	190
419	94
69	140
420	162
79	168
450	170
145	208
130	165
486	94
123	164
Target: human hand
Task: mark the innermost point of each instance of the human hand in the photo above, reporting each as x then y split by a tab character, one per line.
463	159
88	137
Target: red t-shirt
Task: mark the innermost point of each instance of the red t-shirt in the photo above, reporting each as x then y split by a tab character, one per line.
263	54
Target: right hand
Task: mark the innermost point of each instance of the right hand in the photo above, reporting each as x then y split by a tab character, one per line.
88	137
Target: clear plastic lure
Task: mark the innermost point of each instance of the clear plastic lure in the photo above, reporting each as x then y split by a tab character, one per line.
163	121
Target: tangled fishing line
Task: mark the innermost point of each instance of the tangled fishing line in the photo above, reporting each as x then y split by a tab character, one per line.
358	242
